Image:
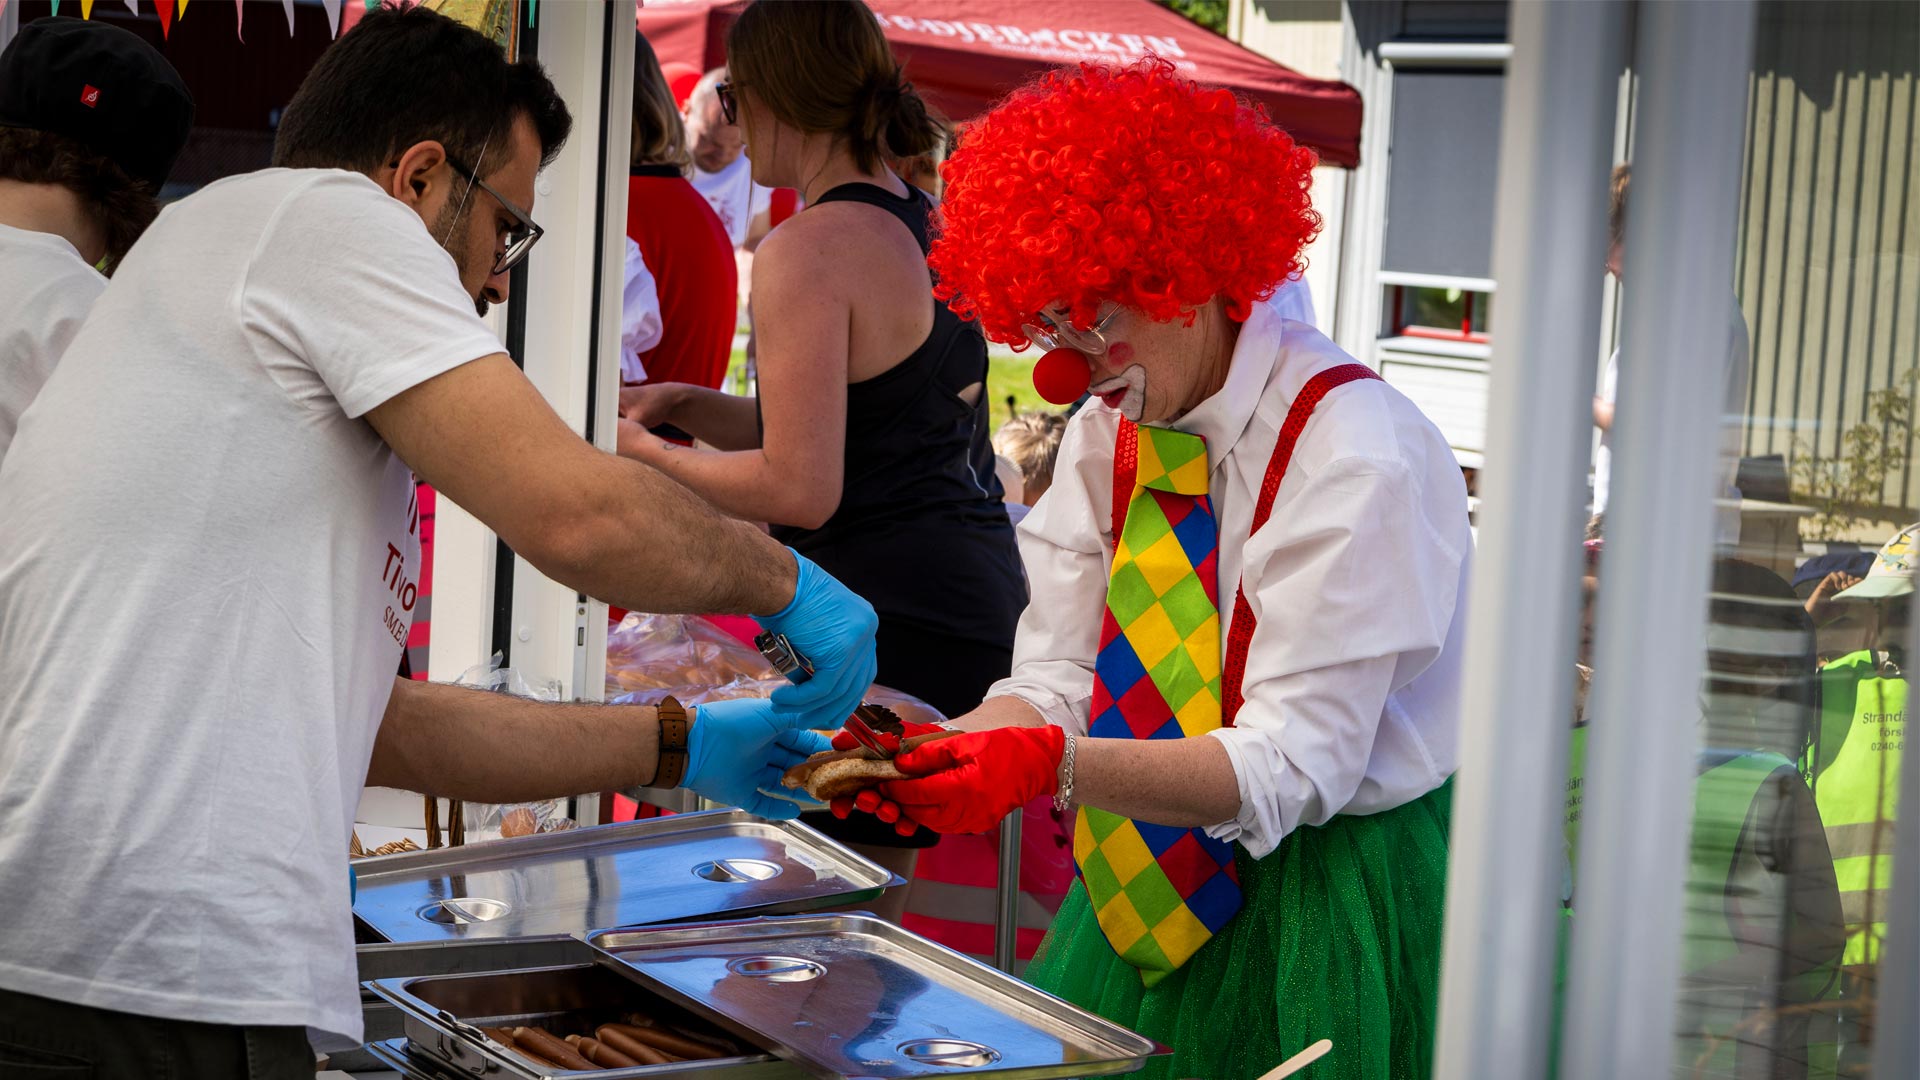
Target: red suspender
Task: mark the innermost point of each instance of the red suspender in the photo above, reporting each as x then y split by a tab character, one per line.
1126	466
1240	636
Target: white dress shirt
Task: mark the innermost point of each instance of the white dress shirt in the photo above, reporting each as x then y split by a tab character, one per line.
1352	680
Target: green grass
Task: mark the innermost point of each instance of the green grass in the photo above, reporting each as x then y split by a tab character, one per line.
1007	374
1012	374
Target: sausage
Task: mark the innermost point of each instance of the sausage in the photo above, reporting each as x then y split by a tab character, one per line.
630	1046
672	1043
601	1054
537	1059
726	1046
548	1046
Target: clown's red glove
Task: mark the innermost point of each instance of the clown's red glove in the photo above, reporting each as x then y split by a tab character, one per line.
967	783
869	801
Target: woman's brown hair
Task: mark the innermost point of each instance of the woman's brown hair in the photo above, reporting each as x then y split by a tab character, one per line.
659	138
120	205
825	67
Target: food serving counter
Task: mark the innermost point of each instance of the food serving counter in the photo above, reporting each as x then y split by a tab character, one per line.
490	960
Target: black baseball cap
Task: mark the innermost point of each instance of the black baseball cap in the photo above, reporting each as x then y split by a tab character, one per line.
100	86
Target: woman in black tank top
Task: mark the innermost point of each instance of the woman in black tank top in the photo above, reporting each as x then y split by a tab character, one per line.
867	448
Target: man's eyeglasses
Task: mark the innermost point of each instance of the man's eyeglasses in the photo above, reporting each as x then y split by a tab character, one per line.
1050	332
520	238
729	105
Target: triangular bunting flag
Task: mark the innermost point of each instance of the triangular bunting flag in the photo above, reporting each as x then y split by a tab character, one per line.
240	20
56	7
86	8
133	6
531	4
333	16
165	10
288	4
181	11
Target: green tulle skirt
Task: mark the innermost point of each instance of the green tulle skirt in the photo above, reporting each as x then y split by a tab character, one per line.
1338	938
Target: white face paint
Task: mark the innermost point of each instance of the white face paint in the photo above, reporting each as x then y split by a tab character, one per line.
1126	392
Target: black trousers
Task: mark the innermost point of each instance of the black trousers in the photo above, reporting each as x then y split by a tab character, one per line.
952	675
43	1039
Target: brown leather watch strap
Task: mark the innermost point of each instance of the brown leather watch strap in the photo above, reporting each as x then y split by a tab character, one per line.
674	726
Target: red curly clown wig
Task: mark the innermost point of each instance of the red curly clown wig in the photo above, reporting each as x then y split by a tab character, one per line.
1128	184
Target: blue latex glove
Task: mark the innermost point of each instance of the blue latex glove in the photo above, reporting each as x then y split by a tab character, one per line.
833	628
738	747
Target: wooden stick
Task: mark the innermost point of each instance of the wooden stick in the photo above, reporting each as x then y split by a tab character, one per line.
433	823
1300	1060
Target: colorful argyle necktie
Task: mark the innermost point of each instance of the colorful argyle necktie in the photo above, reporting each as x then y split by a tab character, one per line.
1159	892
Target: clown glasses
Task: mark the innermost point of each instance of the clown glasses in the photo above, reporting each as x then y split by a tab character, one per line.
1051	331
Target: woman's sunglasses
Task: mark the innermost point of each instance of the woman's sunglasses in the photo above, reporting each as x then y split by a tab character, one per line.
729	105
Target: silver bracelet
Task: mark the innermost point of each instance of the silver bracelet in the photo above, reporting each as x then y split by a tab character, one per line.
1064	797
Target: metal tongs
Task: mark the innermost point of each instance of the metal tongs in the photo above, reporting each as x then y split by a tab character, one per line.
869	739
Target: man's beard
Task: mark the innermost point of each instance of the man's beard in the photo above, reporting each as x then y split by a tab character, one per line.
454	231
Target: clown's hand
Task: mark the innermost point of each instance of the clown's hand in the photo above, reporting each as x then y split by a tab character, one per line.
967	783
870	801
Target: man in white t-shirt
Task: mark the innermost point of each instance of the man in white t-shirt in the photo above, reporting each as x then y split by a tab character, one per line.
209	562
721	171
91	120
1736	373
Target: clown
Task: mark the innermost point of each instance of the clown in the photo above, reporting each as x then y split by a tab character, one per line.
1242	657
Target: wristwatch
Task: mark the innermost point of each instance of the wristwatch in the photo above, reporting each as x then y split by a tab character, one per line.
674	726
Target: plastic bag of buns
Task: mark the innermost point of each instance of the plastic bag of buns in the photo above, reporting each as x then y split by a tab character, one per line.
696	661
673	652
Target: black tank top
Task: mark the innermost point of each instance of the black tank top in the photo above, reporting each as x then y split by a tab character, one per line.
922	530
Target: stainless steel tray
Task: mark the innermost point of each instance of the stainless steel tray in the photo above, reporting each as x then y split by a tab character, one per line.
855	997
442	1014
686	866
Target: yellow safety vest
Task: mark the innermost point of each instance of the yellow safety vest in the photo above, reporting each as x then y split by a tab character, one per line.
1853	767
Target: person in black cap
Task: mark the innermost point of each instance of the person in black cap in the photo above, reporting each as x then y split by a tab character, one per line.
91	120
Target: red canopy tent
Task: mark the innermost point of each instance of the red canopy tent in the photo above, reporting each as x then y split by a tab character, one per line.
964	54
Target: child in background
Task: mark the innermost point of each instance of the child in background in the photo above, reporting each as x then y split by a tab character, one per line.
1031	440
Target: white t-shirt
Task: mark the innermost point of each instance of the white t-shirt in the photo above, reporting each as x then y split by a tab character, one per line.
640	327
207	571
48	289
734	196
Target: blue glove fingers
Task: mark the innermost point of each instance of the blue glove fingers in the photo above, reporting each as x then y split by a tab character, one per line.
835	691
803	742
826	700
760	803
833	628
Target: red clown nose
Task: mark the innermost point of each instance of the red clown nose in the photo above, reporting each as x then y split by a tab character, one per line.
1062	376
